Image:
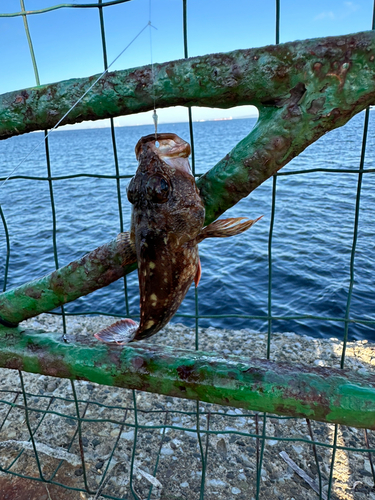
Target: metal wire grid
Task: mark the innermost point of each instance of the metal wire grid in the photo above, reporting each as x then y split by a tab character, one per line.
128	414
75	414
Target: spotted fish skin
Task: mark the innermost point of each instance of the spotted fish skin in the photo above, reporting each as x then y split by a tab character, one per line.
168	215
166	227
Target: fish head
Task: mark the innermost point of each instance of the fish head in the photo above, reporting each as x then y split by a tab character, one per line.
163	192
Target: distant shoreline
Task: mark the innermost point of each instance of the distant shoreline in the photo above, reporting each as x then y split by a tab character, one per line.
78	127
96	125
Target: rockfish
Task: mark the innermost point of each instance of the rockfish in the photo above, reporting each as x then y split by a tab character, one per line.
166	227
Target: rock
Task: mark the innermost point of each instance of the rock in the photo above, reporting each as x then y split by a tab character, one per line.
129	436
166	451
222	448
217	483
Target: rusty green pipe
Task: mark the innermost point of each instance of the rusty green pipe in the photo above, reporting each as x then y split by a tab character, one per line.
303	89
260	76
324	394
94	270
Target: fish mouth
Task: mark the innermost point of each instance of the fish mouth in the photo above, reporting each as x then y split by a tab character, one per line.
168	147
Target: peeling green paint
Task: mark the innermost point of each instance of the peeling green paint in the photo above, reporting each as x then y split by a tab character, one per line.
302	89
325	394
94	270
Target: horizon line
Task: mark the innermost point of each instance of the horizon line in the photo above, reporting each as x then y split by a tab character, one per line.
63	128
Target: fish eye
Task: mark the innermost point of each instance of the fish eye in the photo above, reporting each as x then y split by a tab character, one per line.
157	189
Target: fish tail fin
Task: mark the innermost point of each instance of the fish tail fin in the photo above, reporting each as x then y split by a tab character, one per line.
223	228
120	333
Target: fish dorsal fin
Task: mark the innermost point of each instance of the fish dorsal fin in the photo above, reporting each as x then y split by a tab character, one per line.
223	228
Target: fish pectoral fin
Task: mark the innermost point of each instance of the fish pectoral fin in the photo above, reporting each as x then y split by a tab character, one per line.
198	274
223	228
120	333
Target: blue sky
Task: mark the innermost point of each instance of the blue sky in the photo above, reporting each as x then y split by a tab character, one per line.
67	41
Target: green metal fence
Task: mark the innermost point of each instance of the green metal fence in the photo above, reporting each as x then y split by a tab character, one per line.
207	420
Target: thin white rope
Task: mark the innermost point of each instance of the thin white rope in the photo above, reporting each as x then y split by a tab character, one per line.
74	105
154	116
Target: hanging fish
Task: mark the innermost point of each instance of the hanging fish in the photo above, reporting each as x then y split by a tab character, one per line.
166	227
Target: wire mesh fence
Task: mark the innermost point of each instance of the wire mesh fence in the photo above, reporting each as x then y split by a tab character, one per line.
129	447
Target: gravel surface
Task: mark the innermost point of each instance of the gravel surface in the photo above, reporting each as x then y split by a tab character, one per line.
175	451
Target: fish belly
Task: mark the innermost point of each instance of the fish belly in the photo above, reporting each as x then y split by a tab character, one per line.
163	284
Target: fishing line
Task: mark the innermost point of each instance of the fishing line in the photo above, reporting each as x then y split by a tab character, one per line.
154	116
75	104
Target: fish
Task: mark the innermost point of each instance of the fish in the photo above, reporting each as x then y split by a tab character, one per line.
167	224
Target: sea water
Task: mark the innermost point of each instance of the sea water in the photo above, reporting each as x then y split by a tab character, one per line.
311	240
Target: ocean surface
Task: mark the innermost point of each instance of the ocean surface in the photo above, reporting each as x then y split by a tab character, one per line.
311	243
